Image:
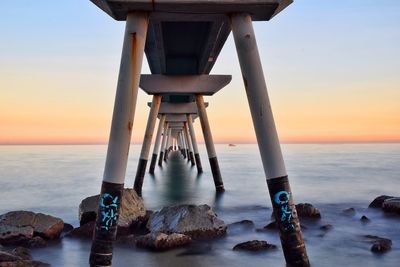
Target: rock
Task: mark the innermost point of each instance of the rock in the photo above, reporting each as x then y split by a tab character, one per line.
161	241
22	252
254	245
247	223
326	227
66	230
271	226
131	210
37	242
197	249
194	221
18	257
7	256
350	211
377	202
306	210
20	226
379	244
364	219
24	263
84	231
392	205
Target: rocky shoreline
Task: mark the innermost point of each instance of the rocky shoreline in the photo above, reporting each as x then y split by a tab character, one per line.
169	228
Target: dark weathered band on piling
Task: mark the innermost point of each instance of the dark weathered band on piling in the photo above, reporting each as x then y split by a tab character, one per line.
106	224
198	163
188	154
153	163
288	222
183	151
160	159
192	158
165	155
219	185
140	172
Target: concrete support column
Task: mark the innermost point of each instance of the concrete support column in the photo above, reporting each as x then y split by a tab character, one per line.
183	145
148	136
268	142
189	140
205	126
185	137
162	148
157	144
194	143
167	144
119	140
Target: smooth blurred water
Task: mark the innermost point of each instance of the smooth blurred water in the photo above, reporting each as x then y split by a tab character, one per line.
54	179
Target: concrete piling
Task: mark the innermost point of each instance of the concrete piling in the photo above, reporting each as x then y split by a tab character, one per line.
189	141
267	138
156	148
194	143
166	149
118	147
162	148
212	155
144	154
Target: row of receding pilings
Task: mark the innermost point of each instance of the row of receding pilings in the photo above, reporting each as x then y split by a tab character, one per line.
124	110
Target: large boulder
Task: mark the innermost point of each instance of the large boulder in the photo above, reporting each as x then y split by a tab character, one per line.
378	201
161	241
392	205
194	221
307	210
22	226
132	209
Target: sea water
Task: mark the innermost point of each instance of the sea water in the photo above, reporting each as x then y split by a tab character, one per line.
333	177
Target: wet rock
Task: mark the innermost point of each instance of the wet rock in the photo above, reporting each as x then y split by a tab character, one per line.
37	242
377	202
8	256
392	205
197	249
22	252
161	241
194	221
349	212
326	227
379	244
254	245
307	210
271	226
131	210
18	257
18	227
84	231
24	263
66	230
248	223
364	219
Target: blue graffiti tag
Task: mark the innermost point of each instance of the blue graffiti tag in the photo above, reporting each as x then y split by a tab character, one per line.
285	213
109	214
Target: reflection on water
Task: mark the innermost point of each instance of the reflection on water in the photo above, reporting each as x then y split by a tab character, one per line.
53	179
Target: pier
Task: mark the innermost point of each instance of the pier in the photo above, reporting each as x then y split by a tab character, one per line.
182	41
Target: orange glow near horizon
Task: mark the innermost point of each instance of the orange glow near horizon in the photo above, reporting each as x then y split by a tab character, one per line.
330	80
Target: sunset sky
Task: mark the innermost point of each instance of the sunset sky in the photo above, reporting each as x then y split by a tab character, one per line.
332	70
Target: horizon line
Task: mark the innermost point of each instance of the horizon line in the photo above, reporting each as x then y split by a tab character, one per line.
327	142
